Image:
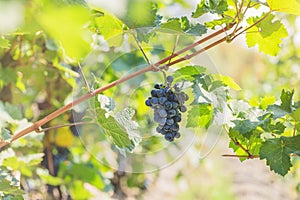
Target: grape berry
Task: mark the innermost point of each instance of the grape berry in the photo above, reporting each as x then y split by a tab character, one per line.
167	102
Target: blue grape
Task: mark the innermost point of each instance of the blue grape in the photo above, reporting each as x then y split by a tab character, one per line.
182	108
170	79
154	101
169	121
162	112
174	127
177	118
169	137
168	105
157	86
177	135
174	105
162	100
154	93
172	113
148	102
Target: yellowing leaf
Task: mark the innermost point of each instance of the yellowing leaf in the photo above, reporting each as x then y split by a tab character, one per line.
266	34
288	6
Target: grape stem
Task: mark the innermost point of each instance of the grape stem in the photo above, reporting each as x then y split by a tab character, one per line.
152	67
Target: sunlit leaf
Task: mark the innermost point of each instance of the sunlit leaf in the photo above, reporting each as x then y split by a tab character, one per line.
199	115
226	80
267	35
66	25
110	27
290	6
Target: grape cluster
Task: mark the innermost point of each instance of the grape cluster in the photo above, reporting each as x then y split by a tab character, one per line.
168	103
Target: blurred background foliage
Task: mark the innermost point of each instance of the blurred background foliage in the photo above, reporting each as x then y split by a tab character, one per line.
37	77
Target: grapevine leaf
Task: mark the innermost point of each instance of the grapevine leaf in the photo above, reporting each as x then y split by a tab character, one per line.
226	80
286	98
5	135
4	43
200	95
114	130
7	75
200	115
277	111
110	27
124	118
106	103
86	172
212	6
290	6
183	25
246	127
266	34
172	24
277	128
197	30
218	22
140	14
14	111
69	31
188	72
266	101
296	114
277	153
252	144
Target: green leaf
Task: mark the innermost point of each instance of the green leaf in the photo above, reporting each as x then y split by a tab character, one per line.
183	25
277	128
14	111
277	153
172	24
226	80
4	43
140	14
200	115
252	144
218	22
296	114
277	111
212	6
290	6
110	27
116	133
266	34
200	95
286	98
8	184
7	75
246	127
87	173
188	72
197	30
67	26
5	135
